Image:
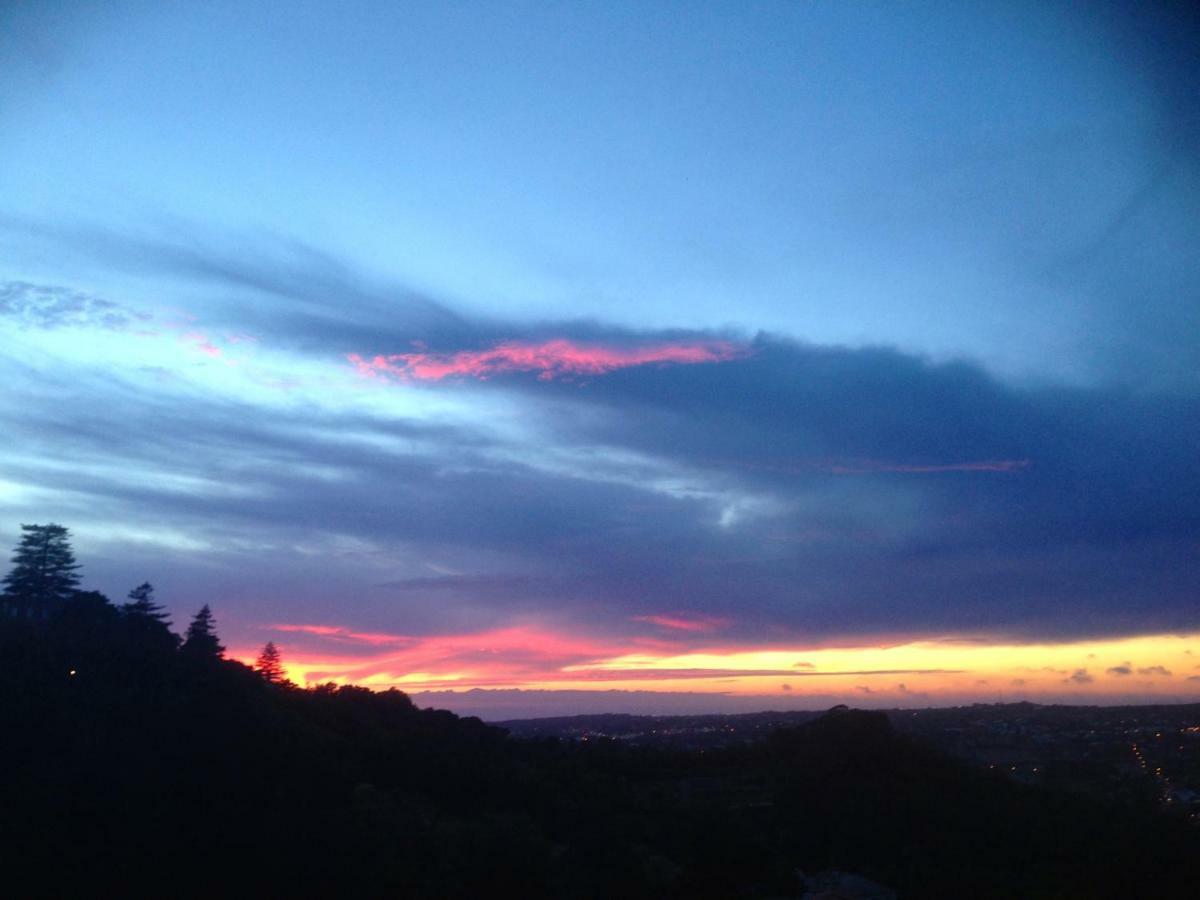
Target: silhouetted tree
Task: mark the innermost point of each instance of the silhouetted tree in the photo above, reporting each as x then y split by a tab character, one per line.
144	606
270	665
43	573
146	621
90	606
200	641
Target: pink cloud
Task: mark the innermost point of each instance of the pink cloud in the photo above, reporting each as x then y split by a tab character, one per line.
661	674
501	654
550	359
201	342
686	623
523	655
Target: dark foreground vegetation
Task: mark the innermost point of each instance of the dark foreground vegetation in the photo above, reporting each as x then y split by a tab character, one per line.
134	763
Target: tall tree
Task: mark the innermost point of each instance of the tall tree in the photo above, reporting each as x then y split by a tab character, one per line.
200	641
143	605
146	621
270	664
43	573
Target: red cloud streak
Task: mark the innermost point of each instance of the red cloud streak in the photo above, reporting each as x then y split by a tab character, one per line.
550	359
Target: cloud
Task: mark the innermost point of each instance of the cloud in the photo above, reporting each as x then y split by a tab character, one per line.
599	517
49	307
513	655
1079	676
1123	669
635	674
791	490
1154	670
300	294
705	624
906	691
490	583
549	359
871	467
345	634
202	343
55	306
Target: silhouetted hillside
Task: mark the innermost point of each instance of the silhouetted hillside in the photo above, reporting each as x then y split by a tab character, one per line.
135	767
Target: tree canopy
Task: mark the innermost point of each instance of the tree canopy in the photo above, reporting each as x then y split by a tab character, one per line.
200	641
146	620
270	664
143	606
44	567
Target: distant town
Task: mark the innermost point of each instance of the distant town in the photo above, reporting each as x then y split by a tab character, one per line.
1148	755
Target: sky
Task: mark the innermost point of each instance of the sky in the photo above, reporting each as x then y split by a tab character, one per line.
540	358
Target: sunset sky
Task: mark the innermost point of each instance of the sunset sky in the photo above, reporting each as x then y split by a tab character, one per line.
541	358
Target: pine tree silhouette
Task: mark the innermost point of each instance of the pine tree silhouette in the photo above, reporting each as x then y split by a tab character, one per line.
270	664
43	574
144	606
146	622
200	641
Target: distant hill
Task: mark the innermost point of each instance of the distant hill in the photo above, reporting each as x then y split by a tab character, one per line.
133	767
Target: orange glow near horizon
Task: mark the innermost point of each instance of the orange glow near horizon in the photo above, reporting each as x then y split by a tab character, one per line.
910	672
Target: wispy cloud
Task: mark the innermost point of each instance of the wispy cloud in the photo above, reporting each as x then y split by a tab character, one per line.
531	655
550	359
814	485
201	342
56	306
874	466
1154	670
51	307
702	624
869	467
338	633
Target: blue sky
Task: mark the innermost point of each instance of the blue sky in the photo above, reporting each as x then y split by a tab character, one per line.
928	177
948	251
